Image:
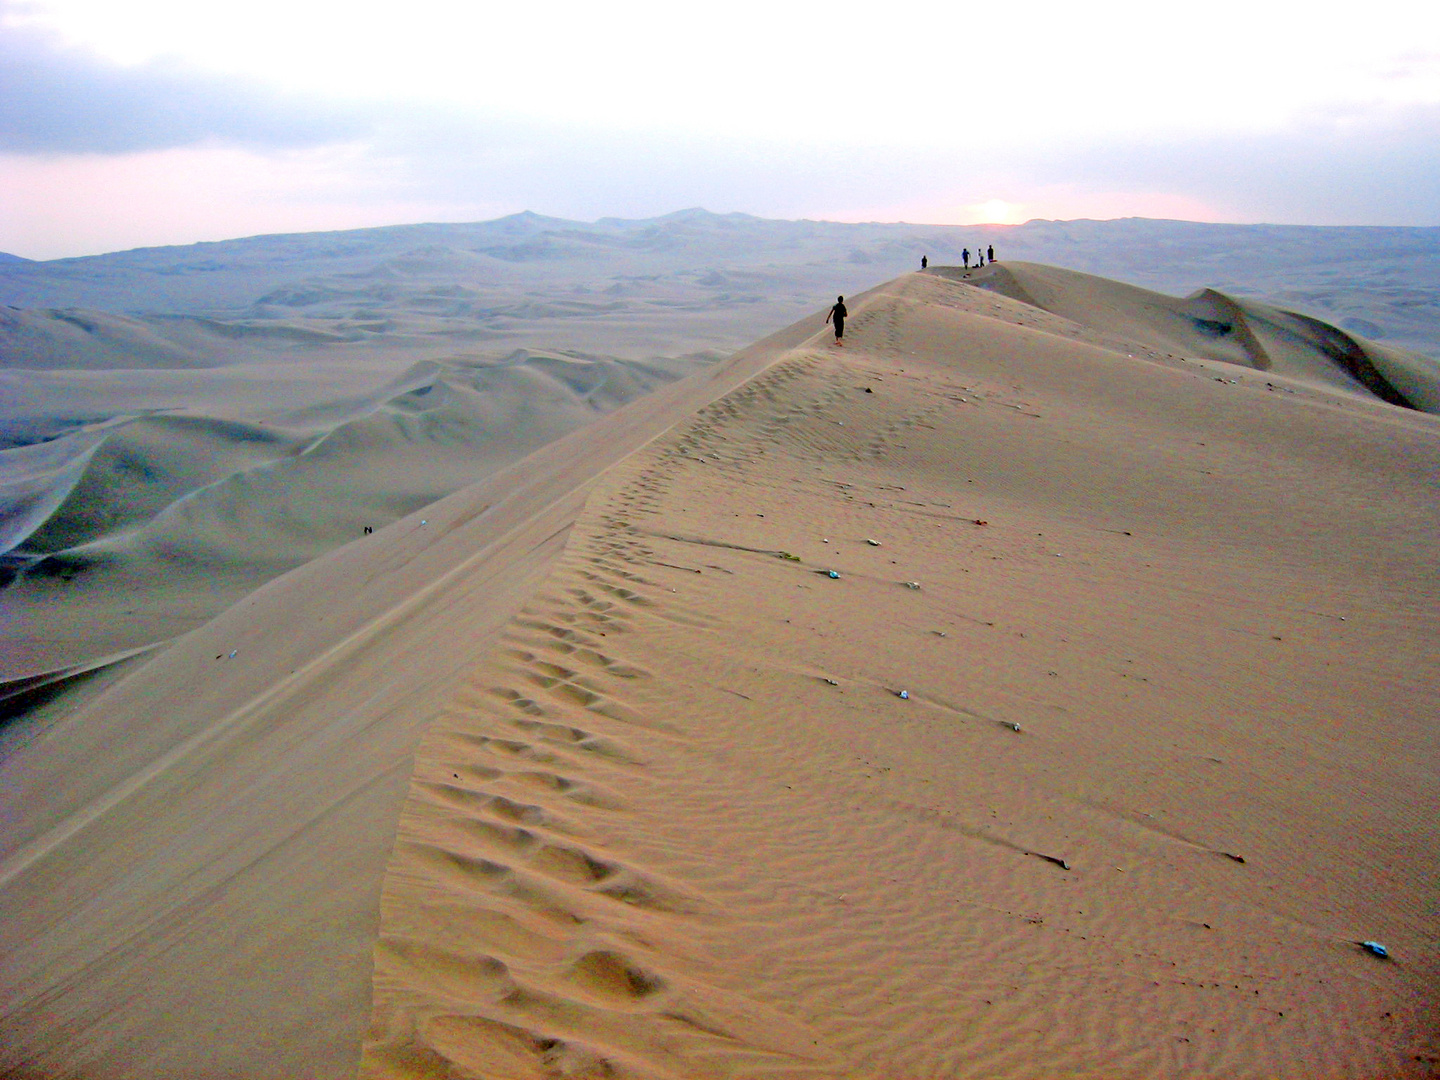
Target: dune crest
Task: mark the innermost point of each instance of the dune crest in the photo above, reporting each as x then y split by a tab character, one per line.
992	695
192	855
1215	326
922	708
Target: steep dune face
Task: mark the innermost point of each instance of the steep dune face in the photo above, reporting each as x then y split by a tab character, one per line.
1398	376
127	473
1215	326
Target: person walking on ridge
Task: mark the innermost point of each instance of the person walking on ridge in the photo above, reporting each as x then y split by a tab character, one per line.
965	257
837	316
924	261
990	253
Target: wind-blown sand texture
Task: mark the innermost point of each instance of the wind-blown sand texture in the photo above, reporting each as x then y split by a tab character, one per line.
1165	631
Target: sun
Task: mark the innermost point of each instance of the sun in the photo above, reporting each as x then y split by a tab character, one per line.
995	212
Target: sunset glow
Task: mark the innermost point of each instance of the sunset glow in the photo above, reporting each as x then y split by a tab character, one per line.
641	108
995	212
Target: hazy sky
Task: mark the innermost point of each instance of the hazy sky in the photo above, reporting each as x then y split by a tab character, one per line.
169	121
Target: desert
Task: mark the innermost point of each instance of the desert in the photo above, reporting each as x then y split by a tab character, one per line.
542	649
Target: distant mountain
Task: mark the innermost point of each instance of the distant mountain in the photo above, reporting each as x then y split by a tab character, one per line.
6	257
1381	282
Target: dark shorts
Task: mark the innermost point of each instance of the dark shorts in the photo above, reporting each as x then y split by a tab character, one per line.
839	328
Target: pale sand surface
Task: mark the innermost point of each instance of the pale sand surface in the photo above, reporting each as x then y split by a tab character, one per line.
195	491
191	857
1210	325
682	824
645	836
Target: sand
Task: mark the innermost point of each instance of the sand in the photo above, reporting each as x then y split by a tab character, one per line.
180	425
1104	747
141	527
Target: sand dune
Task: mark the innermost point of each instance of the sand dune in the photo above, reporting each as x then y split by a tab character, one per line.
1212	325
1003	694
191	456
218	413
751	275
193	852
1159	641
83	339
131	532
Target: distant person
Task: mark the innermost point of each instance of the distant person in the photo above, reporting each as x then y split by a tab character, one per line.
990	253
924	261
979	258
837	316
965	257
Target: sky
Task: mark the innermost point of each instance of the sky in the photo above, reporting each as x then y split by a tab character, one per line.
155	122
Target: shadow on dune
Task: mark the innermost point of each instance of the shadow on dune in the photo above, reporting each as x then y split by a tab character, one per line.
20	696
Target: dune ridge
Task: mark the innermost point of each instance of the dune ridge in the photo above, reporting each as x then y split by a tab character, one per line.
1211	325
684	822
192	854
995	695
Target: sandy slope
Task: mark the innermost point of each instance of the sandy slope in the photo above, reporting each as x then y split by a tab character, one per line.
135	529
179	425
191	857
684	825
1166	752
1212	325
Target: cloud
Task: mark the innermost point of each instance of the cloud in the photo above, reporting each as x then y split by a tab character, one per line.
56	99
90	148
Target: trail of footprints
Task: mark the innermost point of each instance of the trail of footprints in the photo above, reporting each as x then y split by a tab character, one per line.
511	921
514	941
779	406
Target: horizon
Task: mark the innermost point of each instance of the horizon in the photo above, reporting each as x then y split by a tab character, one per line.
159	123
603	219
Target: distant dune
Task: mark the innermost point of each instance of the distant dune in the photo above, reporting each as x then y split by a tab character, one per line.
480	651
1382	283
1214	326
131	531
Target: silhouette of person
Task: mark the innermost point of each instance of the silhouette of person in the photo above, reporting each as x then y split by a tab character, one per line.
924	261
837	316
965	257
990	253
